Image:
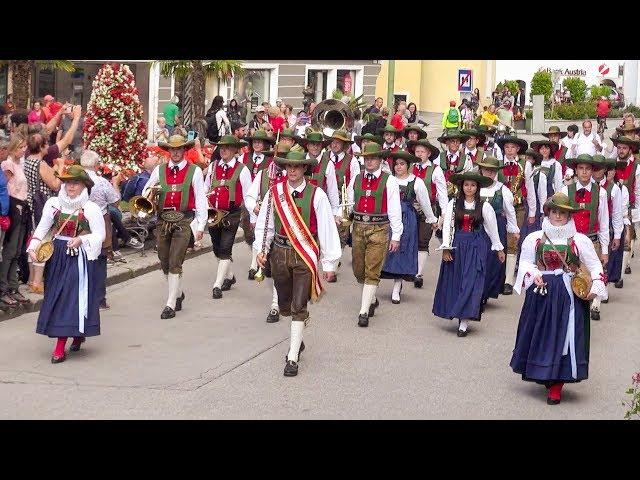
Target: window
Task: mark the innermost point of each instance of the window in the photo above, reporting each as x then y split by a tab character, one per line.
317	80
347	81
46	83
251	89
4	75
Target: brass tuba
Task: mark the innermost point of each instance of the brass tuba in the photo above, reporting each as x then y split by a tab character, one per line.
332	115
142	207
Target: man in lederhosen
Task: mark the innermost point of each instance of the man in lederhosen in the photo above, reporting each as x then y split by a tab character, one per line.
180	198
299	217
226	181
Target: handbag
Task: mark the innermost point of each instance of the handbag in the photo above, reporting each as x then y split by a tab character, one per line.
581	281
44	251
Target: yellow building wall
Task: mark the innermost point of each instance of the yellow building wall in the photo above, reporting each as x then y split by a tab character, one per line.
407	81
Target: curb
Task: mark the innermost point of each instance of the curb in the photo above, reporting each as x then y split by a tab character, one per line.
113	280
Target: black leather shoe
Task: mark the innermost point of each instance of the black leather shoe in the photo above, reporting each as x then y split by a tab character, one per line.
363	320
334	279
291	369
75	347
274	316
551	401
627	270
395	302
462	333
418	281
605	301
179	302
61	359
595	315
226	284
372	308
168	312
217	293
252	274
507	289
619	283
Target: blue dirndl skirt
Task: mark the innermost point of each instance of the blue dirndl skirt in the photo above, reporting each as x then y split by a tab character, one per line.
496	270
461	281
614	265
404	262
59	314
542	335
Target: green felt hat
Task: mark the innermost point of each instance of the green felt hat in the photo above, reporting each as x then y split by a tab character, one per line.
75	172
459	178
313	136
414	127
295	157
389	129
176	141
512	139
490	162
368	136
341	135
553	130
634	144
540	143
260	135
473	132
404	155
230	141
558	201
585	158
425	143
373	150
453	134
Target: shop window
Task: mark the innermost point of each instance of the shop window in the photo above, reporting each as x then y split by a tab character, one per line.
346	81
317	80
46	83
251	89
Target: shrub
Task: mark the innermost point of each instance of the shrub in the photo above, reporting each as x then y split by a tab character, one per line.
541	84
633	109
598	91
512	85
577	87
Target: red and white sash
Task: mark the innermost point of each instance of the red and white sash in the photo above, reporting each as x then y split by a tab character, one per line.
298	233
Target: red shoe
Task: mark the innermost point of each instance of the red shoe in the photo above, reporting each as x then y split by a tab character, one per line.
555	393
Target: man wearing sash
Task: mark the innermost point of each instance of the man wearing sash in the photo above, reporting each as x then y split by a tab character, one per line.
226	182
298	217
181	198
592	216
377	215
628	174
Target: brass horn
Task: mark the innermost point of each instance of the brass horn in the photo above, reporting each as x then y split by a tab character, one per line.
332	115
215	216
143	207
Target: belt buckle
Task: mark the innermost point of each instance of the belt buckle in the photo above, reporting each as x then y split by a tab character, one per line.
168	208
174	187
582	206
366	218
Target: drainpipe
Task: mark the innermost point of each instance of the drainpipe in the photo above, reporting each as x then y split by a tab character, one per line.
391	73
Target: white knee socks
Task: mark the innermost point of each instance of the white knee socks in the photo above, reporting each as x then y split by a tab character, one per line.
174	286
463	326
274	298
626	256
254	261
397	285
223	265
511	269
229	273
368	297
296	340
595	305
422	259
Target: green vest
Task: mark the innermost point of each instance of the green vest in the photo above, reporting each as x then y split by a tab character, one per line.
496	201
376	194
592	206
304	207
319	177
230	183
462	158
183	187
563	250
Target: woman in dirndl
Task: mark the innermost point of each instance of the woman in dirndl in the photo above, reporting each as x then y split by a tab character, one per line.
552	343
464	252
71	306
403	263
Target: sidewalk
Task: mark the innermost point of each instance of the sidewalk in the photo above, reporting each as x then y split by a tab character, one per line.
135	266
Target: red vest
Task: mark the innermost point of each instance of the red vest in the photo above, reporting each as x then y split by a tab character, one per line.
221	193
623	174
347	170
582	218
247	159
395	148
173	199
367	203
512	170
422	173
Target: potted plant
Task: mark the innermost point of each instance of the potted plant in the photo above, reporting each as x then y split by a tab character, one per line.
528	120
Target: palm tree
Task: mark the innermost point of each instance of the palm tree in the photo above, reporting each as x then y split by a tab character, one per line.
21	72
193	74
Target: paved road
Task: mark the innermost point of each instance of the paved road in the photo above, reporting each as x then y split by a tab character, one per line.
219	359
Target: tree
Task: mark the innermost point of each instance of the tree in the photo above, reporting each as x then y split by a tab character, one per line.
113	125
598	91
512	85
21	72
542	84
194	74
577	87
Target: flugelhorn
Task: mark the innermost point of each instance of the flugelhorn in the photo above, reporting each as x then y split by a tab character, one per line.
345	205
143	207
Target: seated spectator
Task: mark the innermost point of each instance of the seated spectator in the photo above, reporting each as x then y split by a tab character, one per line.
133	186
161	133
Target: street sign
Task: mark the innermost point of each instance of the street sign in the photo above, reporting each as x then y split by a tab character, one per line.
465	80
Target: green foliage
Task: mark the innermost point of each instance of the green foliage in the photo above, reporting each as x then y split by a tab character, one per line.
542	84
528	113
512	85
219	68
577	87
598	91
575	111
632	109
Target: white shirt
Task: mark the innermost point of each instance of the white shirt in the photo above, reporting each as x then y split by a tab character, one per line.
616	208
437	177
91	243
422	196
603	214
332	185
625	203
507	204
571	144
252	196
635	194
584	143
488	222
455	157
528	269
198	191
224	127
393	202
556	182
328	238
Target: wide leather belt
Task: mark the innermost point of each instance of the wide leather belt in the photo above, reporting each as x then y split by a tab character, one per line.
370	218
170	215
593	237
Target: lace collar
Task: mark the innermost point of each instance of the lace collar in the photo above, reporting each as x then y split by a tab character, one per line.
72	204
557	233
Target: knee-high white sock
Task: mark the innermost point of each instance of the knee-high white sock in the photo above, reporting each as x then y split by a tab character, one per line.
422	259
229	273
373	295
274	298
595	305
174	285
463	325
179	286
254	261
626	256
223	265
295	340
633	246
368	294
397	285
511	269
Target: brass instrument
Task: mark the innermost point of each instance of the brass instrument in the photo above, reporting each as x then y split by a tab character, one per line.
142	207
345	205
452	189
514	186
332	115
215	216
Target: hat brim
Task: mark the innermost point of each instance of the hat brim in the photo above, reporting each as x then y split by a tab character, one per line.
548	206
406	156
330	139
271	140
459	136
434	150
482	138
305	141
489	166
358	140
84	179
574	162
283	162
382	131
459	178
518	141
378	154
562	134
421	133
540	143
171	146
632	143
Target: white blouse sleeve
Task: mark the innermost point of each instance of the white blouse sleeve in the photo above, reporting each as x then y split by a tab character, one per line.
491	226
447	241
589	258
332	188
46	221
616	204
542	190
393	208
625	205
202	206
92	242
603	220
527	268
330	248
260	225
251	196
557	177
153	179
441	188
422	195
510	211
531	189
